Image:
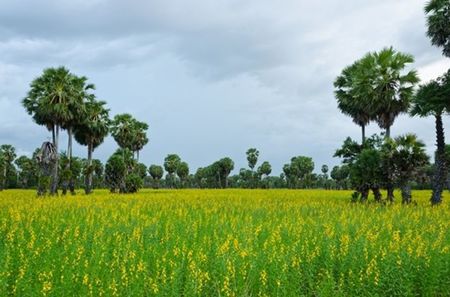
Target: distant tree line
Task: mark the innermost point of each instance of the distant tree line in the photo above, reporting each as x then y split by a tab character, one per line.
122	173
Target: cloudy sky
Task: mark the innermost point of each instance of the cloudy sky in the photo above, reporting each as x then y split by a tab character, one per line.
211	78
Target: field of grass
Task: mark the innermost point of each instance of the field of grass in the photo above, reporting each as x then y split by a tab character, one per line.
221	243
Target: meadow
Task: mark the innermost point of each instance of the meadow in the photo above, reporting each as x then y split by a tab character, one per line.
222	243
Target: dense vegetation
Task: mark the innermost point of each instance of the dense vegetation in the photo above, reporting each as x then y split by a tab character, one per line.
221	243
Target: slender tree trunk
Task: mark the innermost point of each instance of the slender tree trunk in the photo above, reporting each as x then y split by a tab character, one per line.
88	180
441	172
137	156
363	131
69	155
389	184
406	193
364	194
377	194
54	187
53	135
5	175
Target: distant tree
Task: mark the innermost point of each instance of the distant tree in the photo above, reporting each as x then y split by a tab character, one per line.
27	172
264	170
141	170
252	157
156	173
182	172
302	168
438	19
432	98
324	170
340	174
129	133
224	167
171	163
245	178
7	157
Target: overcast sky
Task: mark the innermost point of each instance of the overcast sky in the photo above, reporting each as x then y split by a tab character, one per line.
211	78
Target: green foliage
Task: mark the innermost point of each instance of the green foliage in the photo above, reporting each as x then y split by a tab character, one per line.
7	157
299	172
133	182
129	133
182	171
156	172
438	20
252	157
377	87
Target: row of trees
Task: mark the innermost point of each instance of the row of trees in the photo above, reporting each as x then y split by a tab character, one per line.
123	173
378	88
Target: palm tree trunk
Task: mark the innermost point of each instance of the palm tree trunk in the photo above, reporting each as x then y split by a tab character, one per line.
137	156
440	173
69	155
53	135
88	188
406	193
377	194
363	131
389	185
5	175
54	187
364	194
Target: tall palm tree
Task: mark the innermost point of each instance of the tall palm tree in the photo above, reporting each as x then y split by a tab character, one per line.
433	99
348	98
77	108
438	12
388	89
92	132
48	101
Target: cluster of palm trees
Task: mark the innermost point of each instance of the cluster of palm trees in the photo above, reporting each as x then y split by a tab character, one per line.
378	88
61	100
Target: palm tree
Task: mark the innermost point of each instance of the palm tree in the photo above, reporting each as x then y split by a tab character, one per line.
140	138
433	99
349	102
92	132
122	129
439	24
8	155
408	156
78	110
50	101
387	89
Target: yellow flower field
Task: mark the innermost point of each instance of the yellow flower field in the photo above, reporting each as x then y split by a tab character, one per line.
222	243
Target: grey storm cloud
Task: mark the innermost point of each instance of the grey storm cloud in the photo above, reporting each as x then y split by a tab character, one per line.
212	78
